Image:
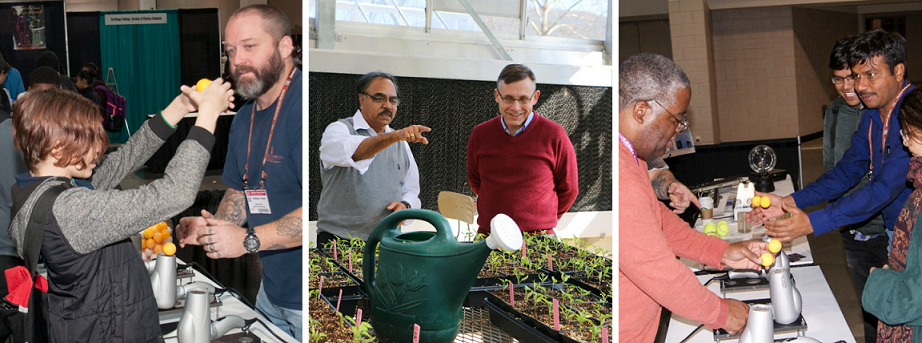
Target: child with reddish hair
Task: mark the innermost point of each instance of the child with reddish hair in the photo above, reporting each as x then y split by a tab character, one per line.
98	287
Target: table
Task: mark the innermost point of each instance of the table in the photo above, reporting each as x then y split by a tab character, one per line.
724	211
158	161
825	321
231	306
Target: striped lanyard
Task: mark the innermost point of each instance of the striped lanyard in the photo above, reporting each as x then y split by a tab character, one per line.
883	140
278	107
627	144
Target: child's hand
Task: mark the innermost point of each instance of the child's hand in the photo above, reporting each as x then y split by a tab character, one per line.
211	101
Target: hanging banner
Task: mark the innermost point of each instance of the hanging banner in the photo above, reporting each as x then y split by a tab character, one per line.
135	18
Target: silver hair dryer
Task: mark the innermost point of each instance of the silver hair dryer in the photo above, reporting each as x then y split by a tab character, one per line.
760	328
786	300
195	325
163	281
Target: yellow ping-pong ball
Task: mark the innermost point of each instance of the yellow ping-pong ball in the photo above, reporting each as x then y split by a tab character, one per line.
169	249
756	201
774	246
766	202
767	259
202	84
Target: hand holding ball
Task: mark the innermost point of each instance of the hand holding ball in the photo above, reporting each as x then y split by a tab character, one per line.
766	202
756	201
202	84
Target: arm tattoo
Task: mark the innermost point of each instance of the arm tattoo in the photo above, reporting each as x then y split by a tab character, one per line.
288	226
660	186
232	207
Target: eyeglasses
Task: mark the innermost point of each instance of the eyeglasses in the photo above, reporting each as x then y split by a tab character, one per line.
683	123
839	80
510	100
380	99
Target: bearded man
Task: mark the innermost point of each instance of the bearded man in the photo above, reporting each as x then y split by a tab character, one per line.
263	166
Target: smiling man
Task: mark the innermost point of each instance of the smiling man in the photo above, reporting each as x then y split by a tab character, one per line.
520	163
263	166
368	170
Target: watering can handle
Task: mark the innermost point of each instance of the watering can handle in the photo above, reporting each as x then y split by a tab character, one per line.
390	226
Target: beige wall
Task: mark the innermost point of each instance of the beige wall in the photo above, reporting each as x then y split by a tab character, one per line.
754	62
815	33
690	32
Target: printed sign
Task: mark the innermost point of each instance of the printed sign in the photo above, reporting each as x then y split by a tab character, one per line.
135	18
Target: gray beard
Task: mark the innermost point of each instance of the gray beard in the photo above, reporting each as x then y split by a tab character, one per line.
264	81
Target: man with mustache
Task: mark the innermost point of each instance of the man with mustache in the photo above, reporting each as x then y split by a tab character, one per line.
865	243
263	166
878	63
367	168
520	163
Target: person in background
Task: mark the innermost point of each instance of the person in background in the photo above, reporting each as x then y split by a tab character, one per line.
12	165
98	287
13	82
866	243
50	59
43	78
668	188
520	163
263	169
6	104
894	293
654	94
85	87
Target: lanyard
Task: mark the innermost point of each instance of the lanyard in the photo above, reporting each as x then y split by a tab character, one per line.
278	107
883	140
627	144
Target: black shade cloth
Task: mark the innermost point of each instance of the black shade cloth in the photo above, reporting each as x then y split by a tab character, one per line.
452	108
83	51
243	274
199	39
158	161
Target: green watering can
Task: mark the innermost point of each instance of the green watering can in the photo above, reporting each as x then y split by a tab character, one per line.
423	277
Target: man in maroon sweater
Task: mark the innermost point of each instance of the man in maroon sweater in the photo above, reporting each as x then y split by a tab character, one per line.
520	163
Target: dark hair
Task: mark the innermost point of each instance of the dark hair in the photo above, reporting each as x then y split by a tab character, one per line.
362	84
838	59
514	73
878	42
44	75
56	118
86	75
4	68
278	24
646	76
911	112
48	59
93	69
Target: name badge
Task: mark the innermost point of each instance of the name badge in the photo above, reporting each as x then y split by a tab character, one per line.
258	201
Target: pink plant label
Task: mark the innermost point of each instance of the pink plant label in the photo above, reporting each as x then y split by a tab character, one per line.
523	249
320	289
550	262
350	261
556	316
338	299
335	251
358	318
415	333
511	295
605	334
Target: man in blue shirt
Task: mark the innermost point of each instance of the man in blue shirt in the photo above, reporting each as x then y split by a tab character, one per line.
878	63
264	166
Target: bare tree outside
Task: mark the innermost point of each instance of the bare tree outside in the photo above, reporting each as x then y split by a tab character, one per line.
586	19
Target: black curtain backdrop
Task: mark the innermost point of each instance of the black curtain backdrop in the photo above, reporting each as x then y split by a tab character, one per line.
83	50
24	60
200	40
452	108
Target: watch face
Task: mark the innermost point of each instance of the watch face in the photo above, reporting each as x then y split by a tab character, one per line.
251	243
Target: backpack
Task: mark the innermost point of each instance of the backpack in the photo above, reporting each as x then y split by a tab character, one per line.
28	323
114	118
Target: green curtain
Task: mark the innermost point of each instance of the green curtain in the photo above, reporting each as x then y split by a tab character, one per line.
146	62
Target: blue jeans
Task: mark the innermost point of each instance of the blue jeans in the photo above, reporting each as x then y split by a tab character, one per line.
288	320
861	256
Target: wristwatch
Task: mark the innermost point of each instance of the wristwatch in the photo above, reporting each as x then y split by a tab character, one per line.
251	242
407	204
